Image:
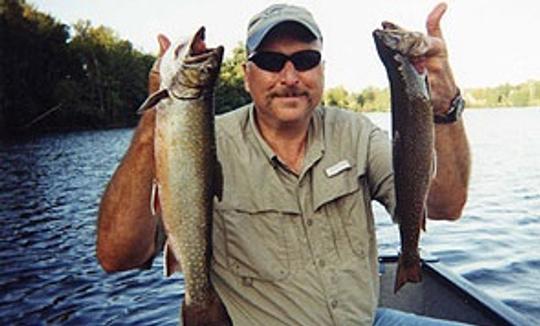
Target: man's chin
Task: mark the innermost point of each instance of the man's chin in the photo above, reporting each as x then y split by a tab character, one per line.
292	114
291	102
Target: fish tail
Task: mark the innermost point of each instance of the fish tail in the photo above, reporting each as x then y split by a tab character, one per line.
212	314
408	270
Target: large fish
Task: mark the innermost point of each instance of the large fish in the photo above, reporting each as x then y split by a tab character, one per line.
413	139
187	171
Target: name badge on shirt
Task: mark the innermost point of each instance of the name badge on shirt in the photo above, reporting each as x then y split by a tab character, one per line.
337	168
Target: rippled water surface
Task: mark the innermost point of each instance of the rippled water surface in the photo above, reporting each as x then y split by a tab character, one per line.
50	189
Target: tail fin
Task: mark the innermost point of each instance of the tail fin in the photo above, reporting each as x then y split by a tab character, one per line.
409	272
213	314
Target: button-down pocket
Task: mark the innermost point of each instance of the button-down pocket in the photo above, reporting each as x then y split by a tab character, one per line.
255	243
343	198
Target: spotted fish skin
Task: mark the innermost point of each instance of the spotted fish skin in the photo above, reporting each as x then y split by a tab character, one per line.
187	173
413	140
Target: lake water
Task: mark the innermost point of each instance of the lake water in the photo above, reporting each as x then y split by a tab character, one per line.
50	190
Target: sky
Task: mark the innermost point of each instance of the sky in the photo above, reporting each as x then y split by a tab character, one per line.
489	42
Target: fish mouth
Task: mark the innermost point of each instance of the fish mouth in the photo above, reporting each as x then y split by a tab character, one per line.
397	39
198	52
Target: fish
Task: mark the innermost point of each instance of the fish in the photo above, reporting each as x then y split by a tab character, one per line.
412	139
188	174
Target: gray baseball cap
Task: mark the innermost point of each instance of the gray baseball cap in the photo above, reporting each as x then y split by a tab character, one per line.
263	22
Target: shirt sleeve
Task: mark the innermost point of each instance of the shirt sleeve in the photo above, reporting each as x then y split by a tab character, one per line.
380	171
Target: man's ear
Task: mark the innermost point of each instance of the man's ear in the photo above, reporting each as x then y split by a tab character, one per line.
246	82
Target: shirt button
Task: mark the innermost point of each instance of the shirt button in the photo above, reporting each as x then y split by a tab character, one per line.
334	304
247	281
309	222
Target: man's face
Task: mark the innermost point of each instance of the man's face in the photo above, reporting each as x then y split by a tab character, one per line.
287	96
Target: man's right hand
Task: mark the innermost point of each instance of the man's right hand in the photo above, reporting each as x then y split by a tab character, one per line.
126	227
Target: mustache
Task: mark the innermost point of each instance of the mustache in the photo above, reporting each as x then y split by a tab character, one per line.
291	91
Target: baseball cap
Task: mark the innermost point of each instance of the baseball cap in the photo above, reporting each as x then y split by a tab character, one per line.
263	22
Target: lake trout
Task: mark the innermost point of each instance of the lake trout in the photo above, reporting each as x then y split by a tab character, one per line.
412	137
187	171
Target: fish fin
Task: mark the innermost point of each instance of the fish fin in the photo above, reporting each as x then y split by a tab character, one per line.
410	271
424	219
434	165
171	265
212	314
218	182
155	207
153	100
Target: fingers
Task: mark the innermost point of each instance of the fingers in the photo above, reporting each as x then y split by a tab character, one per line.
164	44
434	19
153	77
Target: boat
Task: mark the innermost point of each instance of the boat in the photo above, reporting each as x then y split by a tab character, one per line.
443	294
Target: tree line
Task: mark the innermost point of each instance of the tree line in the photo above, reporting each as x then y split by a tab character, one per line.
60	77
378	99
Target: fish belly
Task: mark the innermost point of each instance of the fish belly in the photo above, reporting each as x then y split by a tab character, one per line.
184	151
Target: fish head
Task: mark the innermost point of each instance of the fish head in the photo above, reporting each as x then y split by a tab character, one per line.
401	52
398	40
189	67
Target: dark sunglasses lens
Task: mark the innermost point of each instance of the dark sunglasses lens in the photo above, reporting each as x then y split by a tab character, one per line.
273	61
305	60
269	61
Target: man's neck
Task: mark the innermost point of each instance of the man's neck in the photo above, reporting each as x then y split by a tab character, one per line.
287	140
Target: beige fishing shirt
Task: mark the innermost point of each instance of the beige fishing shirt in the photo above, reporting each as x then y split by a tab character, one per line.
300	250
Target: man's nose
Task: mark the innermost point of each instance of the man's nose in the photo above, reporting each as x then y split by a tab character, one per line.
289	74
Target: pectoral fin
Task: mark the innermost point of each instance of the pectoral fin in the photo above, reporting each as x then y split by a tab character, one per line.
171	265
424	219
153	100
218	183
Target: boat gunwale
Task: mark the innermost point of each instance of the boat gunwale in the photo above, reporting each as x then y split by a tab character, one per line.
470	292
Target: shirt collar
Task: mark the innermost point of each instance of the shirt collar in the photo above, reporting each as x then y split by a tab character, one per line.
315	142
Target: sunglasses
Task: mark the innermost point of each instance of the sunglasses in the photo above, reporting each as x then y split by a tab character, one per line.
275	61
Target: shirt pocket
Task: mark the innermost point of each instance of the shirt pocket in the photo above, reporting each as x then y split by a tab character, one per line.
345	201
255	243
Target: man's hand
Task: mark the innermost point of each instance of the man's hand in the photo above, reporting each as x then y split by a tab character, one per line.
441	80
153	76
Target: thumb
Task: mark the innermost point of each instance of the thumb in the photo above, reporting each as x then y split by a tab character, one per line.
434	18
164	44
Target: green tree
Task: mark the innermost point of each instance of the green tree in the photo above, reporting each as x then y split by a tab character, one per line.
110	79
33	60
337	96
230	92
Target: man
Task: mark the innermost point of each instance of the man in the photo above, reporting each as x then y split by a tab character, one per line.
292	242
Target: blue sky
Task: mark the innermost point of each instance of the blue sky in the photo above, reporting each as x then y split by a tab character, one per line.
490	42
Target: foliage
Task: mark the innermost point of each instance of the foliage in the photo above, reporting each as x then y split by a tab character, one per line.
32	60
524	94
369	99
97	79
230	92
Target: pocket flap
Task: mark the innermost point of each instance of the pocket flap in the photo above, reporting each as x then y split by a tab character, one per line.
330	187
